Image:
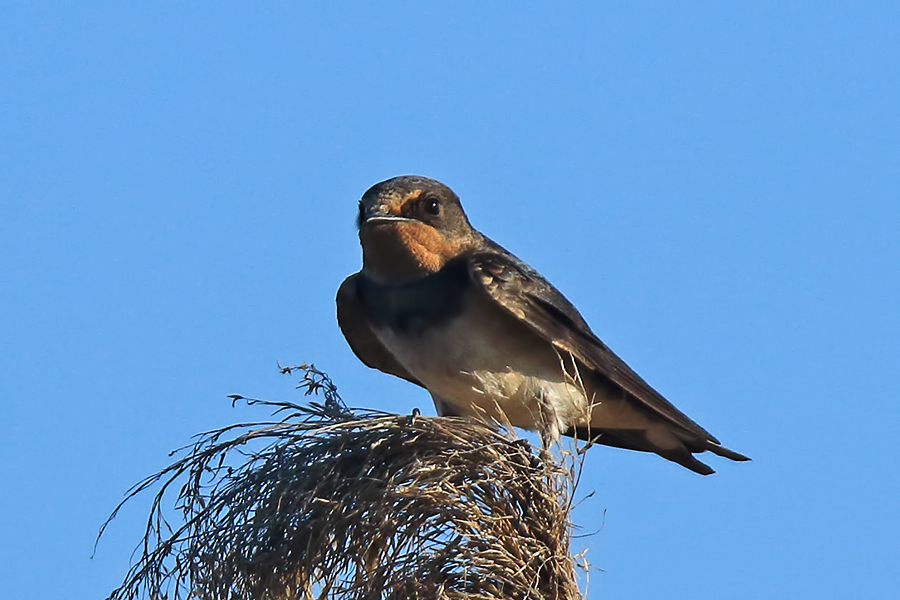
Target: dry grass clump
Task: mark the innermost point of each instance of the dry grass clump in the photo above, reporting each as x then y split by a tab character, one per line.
325	502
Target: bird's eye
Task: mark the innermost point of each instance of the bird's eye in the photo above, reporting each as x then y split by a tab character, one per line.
432	206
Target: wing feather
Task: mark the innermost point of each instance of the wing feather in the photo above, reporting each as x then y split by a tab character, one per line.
353	319
533	300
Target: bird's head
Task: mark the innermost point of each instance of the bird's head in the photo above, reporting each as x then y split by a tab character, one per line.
410	227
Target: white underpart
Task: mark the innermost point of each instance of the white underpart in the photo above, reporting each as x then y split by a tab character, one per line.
485	363
551	406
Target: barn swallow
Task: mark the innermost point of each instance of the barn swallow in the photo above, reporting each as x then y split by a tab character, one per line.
439	304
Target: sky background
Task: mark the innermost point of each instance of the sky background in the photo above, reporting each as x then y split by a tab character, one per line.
714	185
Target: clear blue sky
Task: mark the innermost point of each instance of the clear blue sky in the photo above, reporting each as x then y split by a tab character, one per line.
715	185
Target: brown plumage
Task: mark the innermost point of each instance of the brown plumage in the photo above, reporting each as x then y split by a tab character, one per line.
439	304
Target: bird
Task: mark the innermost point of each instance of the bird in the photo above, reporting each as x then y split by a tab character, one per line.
441	305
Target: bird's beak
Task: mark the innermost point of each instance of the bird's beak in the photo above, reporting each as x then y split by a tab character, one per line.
378	214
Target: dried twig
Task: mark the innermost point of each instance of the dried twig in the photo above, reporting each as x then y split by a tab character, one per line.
325	502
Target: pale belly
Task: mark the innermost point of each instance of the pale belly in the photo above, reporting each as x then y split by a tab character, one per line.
486	363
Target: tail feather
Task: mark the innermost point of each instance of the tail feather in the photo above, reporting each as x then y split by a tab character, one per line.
637	440
725	452
687	460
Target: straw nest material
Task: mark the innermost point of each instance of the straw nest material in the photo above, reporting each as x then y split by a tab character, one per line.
325	502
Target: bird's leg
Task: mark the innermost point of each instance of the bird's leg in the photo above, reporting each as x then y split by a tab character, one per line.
414	415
